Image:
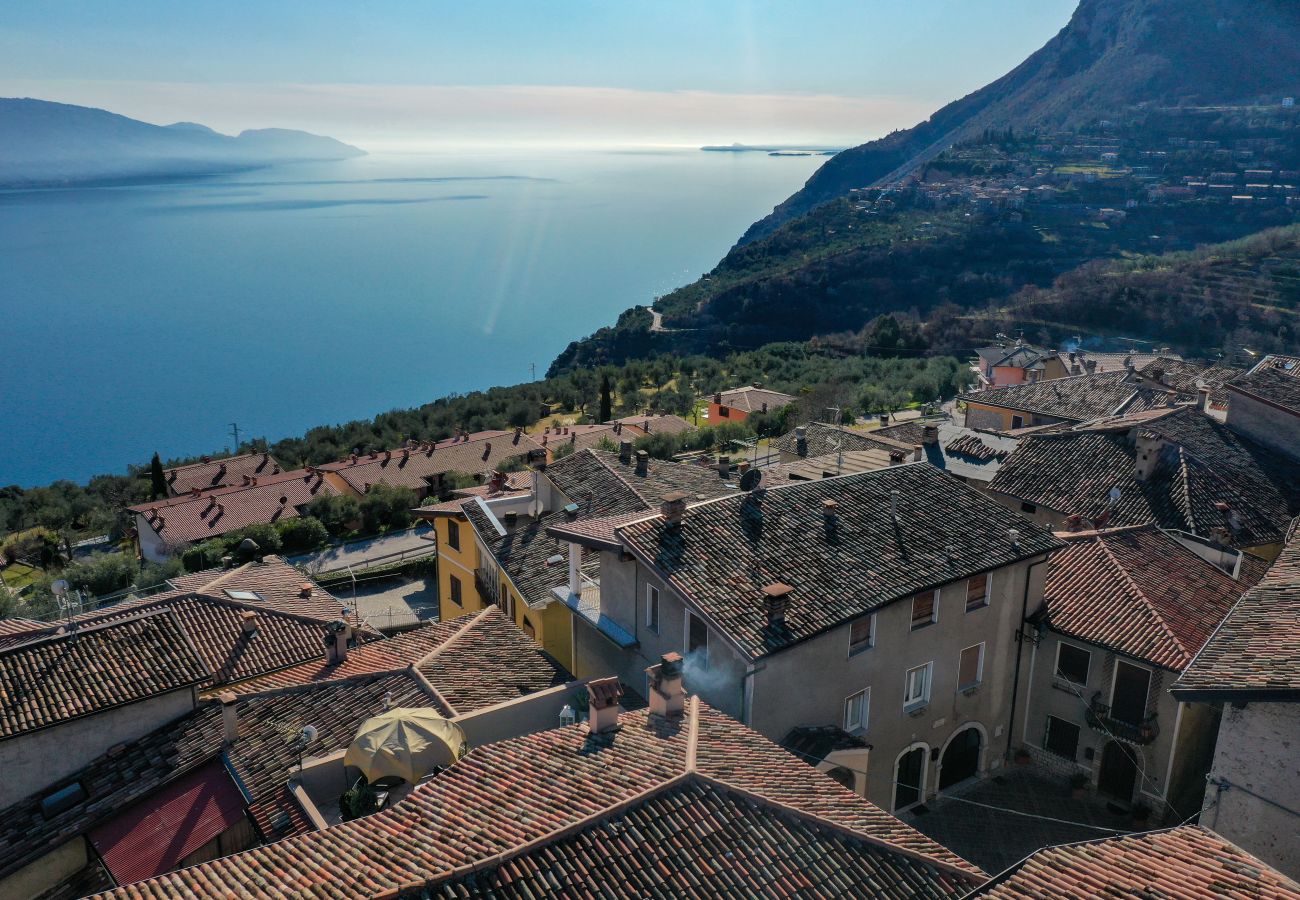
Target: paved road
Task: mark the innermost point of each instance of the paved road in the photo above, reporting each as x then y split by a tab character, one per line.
389	603
388	548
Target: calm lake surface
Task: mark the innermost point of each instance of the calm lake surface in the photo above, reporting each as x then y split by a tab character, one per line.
150	317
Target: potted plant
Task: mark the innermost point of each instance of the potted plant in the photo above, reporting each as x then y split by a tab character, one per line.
1078	785
1022	757
1141	815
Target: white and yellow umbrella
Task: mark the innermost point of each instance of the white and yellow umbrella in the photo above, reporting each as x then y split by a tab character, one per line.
406	743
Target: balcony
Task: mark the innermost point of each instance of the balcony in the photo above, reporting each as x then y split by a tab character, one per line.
1099	718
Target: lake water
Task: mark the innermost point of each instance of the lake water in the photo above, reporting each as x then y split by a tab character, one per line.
150	317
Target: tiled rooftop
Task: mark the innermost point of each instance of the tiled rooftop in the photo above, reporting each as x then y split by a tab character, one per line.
655	423
214	473
414	465
196	517
1280	387
1256	651
821	439
1202	467
1076	398
1138	591
524	551
752	398
603	484
726	551
1187	863
91	668
536	806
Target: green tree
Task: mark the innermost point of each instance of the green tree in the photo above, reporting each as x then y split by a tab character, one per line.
301	534
103	573
157	479
385	506
339	513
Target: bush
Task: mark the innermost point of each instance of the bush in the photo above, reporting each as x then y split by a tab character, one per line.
156	573
385	506
338	513
206	555
103	573
38	546
266	536
302	534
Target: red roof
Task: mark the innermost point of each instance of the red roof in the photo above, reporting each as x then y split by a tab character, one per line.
153	836
1138	591
215	473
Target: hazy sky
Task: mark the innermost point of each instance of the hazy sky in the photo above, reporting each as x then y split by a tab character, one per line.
664	71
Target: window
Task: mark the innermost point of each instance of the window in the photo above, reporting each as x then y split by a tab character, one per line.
916	689
1017	422
1072	663
724	411
62	800
1027	507
978	591
453	534
697	639
925	609
529	629
862	634
246	596
455	591
652	608
970	667
856	710
1129	692
1062	738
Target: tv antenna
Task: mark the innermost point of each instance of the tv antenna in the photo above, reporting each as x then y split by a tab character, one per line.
234	432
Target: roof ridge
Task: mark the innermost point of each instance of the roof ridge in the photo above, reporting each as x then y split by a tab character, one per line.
305	686
823	822
57	631
620	476
423	681
228	573
1141	597
693	735
474	620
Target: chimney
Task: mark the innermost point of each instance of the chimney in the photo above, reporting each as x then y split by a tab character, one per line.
1090	365
519	433
930	435
603	709
673	507
756	384
305	589
717	398
642	463
801	441
388	455
195	492
743	466
667	694
830	518
893	504
776	598
247	480
1149	446
497	483
1203	400
918	453
896	457
248	621
625	452
724	466
336	642
229	716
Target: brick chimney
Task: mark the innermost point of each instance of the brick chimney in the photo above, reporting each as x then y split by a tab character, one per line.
305	589
776	599
717	398
229	716
667	693
1149	446
625	452
603	709
930	435
801	441
673	507
642	463
248	621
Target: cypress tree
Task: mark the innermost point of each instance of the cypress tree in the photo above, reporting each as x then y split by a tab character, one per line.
606	401
157	478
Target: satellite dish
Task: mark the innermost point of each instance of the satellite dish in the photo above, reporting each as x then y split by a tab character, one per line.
1115	495
308	734
60	587
750	480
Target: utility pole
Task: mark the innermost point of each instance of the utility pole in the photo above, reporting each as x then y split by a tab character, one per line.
533	368
234	432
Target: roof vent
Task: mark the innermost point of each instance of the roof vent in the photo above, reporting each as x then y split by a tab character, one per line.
248	621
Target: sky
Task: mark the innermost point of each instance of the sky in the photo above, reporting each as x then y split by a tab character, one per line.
418	72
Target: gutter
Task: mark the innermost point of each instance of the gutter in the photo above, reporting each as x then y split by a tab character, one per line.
1015	684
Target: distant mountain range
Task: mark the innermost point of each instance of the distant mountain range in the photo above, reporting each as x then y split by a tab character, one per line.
43	143
1113	54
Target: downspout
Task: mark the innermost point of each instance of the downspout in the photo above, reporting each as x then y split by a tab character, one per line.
1029	689
1020	633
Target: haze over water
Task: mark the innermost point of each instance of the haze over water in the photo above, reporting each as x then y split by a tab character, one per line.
150	317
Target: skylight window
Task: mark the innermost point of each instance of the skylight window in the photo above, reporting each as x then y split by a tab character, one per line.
246	596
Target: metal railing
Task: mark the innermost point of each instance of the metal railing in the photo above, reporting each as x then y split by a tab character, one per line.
1099	717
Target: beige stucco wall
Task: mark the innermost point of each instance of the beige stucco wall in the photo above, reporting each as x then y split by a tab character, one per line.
1269	425
1259	751
42	874
36	760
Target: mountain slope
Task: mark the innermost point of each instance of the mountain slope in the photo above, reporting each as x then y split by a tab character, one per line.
1112	55
43	142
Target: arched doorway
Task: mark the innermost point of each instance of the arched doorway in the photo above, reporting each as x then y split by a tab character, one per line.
909	776
1118	773
961	758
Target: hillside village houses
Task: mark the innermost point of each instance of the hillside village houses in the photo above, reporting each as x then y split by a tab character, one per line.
738	404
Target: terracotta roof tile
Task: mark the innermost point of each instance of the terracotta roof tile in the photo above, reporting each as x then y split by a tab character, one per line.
1187	863
535	794
1256	651
725	551
190	518
753	399
416	465
1076	398
81	671
1138	591
822	440
655	423
224	472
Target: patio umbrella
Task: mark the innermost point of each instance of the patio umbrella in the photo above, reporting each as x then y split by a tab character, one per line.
408	743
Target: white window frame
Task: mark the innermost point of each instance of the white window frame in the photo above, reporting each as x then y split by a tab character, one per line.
979	668
934	611
864	715
1056	664
924	700
988	593
871	639
652	608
